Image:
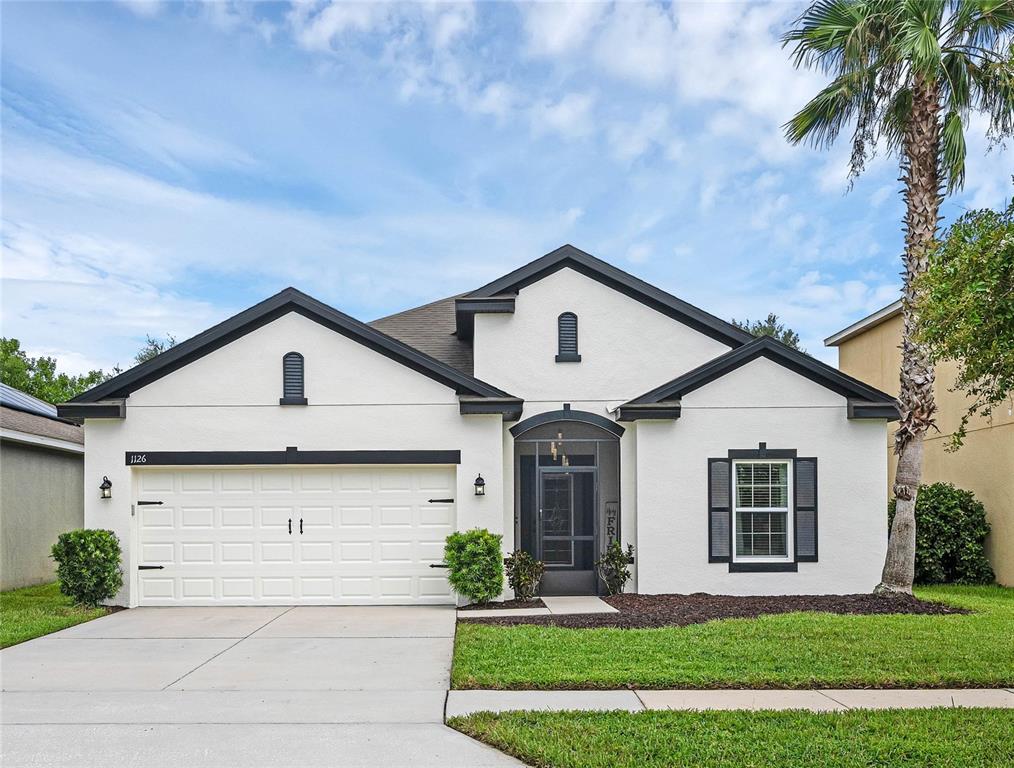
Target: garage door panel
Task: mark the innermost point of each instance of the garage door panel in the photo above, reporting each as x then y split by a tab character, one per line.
369	535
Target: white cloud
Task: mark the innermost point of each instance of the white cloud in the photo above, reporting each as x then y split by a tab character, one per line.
639	253
631	140
570	116
554	28
638	43
143	8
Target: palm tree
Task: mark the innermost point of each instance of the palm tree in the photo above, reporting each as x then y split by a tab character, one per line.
906	76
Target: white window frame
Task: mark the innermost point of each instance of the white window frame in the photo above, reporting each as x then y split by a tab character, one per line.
789	519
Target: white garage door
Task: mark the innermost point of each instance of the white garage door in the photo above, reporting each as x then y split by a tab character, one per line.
293	535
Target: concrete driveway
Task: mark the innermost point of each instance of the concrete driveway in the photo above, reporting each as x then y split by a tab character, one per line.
196	687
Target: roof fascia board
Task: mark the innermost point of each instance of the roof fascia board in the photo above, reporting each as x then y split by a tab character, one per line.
638	411
862	409
465	310
106	409
289	456
289	300
510	408
766	347
41	441
610	276
868	322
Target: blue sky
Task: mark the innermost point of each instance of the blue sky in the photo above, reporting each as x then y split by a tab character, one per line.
167	165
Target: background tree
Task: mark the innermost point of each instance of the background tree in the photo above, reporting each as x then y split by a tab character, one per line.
154	346
38	375
966	309
906	75
771	327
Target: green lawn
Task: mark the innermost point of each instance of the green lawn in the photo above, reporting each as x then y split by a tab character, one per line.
942	738
36	611
796	650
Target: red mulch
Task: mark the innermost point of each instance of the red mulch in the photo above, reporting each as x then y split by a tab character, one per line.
536	603
646	611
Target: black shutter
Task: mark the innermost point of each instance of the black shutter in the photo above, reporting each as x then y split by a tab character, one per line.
806	510
292	379
719	510
567	338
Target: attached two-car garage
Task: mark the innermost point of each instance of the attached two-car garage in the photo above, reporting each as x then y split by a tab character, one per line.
293	534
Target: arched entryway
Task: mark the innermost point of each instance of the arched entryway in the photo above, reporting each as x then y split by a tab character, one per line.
567	495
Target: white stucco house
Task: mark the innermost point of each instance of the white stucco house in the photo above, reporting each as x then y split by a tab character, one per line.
293	454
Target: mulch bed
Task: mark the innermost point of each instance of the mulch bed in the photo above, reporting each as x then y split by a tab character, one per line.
646	611
506	604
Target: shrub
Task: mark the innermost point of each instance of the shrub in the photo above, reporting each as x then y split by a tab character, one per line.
524	573
612	567
950	531
88	565
475	564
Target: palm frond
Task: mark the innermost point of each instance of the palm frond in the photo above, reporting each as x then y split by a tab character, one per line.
952	141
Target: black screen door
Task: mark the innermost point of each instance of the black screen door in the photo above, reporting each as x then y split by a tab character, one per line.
567	528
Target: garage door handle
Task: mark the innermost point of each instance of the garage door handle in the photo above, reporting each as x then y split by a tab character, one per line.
300	526
290	526
440	501
150	567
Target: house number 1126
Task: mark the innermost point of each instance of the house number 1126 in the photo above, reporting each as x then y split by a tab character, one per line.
138	458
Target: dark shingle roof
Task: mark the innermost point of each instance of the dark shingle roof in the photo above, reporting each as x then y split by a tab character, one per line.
430	329
33	424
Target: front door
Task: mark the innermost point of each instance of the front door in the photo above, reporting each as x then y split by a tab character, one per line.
566	530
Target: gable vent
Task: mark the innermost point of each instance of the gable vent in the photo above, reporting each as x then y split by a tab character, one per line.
567	338
292	380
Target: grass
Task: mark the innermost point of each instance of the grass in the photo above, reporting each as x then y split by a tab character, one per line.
942	738
35	611
795	650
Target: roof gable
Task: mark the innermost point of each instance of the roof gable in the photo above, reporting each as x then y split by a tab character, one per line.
288	300
864	401
568	256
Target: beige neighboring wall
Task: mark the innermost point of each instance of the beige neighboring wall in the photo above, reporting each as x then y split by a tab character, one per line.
983	465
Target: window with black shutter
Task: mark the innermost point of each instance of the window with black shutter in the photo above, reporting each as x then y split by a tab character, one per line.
567	338
292	380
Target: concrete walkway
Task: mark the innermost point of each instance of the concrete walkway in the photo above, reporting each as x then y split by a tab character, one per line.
253	687
554	605
467	702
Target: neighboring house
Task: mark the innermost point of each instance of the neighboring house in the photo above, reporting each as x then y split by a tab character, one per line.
870	350
293	454
41	476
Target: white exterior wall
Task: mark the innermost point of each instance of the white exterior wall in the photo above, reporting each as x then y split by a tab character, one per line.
228	401
626	349
761	402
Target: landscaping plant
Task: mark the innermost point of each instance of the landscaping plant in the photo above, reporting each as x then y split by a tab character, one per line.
612	567
524	573
951	531
907	78
88	565
475	564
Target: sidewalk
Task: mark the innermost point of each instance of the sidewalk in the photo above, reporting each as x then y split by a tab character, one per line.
466	702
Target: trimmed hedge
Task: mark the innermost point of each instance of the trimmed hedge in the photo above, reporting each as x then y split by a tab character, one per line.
88	565
950	534
475	564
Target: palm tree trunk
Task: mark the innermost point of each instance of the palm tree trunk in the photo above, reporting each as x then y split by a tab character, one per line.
921	176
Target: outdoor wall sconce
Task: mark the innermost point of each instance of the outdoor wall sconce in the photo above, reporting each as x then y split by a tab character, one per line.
480	486
106	488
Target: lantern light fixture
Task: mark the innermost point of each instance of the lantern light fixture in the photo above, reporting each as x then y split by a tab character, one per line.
480	486
106	488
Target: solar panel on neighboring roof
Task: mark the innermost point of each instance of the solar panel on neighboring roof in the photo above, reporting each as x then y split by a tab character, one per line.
19	401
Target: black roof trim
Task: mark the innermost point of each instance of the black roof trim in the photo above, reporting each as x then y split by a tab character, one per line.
509	407
77	412
566	415
636	411
466	308
607	274
288	456
859	409
288	300
765	346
